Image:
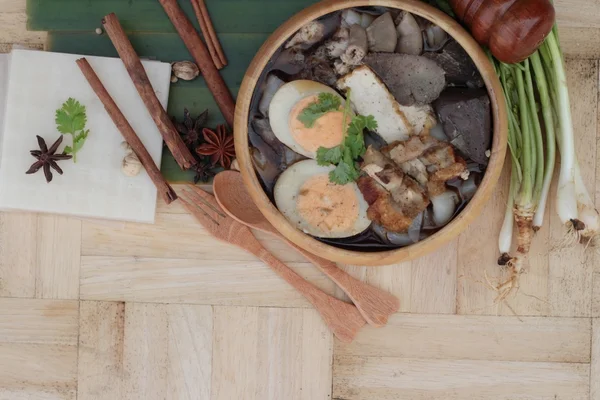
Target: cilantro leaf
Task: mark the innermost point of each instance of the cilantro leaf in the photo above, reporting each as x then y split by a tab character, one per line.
79	140
329	156
344	173
71	119
352	148
326	102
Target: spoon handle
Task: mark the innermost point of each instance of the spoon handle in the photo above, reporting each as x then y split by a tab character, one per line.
343	319
374	304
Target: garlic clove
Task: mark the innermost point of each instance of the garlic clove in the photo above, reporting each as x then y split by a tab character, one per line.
185	70
131	165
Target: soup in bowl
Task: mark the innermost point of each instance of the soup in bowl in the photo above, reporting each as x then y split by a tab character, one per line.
370	132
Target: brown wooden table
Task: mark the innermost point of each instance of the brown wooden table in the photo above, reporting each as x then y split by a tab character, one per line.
107	310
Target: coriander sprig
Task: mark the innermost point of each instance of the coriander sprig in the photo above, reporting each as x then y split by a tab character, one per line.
344	156
71	119
326	102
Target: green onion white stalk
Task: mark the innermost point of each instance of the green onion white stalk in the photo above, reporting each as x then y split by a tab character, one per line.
533	155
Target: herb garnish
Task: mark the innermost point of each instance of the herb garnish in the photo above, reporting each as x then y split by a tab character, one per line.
345	155
71	119
326	102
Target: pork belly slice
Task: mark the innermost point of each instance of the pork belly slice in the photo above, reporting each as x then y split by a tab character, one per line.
383	171
443	164
417	170
394	198
439	158
382	209
370	96
403	151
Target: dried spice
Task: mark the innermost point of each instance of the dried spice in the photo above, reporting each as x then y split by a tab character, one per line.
46	158
185	70
131	165
191	129
219	146
204	171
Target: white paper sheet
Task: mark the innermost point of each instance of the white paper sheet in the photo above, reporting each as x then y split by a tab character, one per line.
94	186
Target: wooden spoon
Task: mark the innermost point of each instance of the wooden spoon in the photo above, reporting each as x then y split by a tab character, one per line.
374	304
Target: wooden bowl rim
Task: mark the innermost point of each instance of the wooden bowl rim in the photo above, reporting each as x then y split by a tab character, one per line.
443	236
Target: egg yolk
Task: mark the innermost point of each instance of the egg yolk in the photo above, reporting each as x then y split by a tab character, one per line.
326	132
327	206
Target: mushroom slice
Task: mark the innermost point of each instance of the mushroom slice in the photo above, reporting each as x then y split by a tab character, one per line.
273	83
308	35
410	38
350	17
336	46
357	46
411	79
382	34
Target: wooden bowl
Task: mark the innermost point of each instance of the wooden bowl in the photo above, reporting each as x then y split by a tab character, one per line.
444	235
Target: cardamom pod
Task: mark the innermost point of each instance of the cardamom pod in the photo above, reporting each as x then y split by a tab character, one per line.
185	70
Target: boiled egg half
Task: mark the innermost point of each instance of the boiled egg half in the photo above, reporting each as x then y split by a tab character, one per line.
289	102
318	207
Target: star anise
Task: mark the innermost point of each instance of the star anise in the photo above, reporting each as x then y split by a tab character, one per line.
203	170
46	158
219	146
191	129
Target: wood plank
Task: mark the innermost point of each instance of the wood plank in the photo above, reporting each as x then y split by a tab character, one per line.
235	355
38	349
434	281
101	350
172	236
59	257
426	285
149	351
146	351
317	361
596	296
12	6
193	281
14	31
580	42
477	255
596	255
570	270
395	279
578	13
190	352
531	339
388	378
7	47
270	354
49	322
34	371
595	367
17	254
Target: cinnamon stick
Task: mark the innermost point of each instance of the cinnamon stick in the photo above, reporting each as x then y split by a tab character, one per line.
138	75
165	190
200	53
210	36
209	43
